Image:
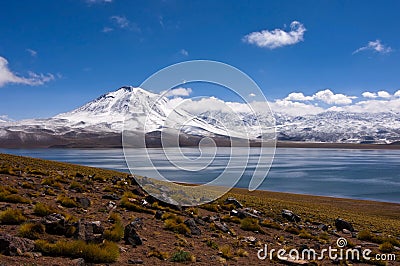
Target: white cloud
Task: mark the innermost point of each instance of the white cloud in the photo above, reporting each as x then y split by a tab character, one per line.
277	37
368	94
121	21
124	23
294	108
326	96
98	1
329	97
178	92
375	46
33	79
184	52
371	106
32	52
252	95
107	29
384	94
298	96
397	93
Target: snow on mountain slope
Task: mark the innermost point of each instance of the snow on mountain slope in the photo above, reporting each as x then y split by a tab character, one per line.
147	111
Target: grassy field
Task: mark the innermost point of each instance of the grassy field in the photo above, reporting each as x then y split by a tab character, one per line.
33	188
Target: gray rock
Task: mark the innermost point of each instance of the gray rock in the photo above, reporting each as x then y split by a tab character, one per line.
233	201
243	213
83	202
90	231
194	229
78	262
345	231
14	246
111	205
199	221
323	227
135	261
223	227
290	216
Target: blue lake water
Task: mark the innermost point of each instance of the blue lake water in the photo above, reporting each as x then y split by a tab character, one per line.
357	174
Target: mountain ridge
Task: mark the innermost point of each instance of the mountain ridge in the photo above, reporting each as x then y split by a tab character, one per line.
99	123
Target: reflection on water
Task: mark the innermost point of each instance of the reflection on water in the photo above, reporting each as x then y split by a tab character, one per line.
360	174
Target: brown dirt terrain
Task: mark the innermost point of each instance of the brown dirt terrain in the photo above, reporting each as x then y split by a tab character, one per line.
31	189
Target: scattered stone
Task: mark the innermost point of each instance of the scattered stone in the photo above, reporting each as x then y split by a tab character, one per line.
111	205
243	213
90	231
54	224
323	227
345	231
199	221
83	202
342	224
33	255
158	214
250	239
194	229
78	262
233	201
122	249
15	246
79	175
137	223
223	227
111	197
290	216
135	261
130	235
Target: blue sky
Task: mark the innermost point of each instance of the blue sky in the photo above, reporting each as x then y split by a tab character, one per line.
61	54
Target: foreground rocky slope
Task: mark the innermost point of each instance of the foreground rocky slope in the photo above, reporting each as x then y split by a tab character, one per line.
60	214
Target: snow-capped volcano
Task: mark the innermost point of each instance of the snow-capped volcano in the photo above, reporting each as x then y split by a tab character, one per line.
108	111
100	123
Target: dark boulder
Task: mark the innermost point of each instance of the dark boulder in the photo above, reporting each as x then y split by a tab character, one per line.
54	224
194	229
342	224
130	235
111	197
14	246
290	216
159	214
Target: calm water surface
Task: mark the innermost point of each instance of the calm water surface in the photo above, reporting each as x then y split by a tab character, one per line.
357	174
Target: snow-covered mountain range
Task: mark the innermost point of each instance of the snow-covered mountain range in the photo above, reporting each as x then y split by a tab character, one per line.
99	123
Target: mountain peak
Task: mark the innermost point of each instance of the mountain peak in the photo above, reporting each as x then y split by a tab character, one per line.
131	89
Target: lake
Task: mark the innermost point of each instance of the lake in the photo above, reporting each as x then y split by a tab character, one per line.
356	174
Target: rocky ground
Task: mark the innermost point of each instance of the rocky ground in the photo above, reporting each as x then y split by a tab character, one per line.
61	214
